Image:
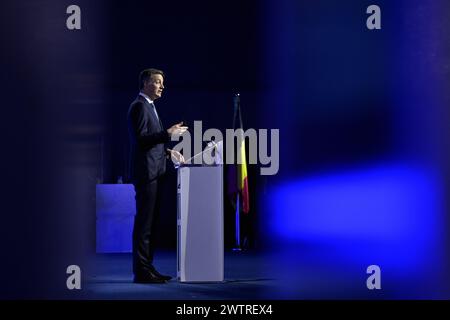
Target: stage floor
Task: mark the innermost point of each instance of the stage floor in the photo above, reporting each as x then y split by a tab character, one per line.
245	278
309	273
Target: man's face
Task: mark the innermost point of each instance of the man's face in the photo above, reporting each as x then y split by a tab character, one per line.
154	86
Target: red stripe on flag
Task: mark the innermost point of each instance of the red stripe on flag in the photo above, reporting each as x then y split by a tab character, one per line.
245	197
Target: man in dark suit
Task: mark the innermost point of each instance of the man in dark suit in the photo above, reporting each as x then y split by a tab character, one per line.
148	165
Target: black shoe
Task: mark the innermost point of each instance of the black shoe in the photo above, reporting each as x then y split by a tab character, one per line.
159	275
148	277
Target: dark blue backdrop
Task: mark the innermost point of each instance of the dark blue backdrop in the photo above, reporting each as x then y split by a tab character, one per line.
363	119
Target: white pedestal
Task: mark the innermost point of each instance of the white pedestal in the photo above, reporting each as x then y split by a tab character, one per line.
200	245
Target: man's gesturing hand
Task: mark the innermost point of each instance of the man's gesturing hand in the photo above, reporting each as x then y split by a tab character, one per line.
176	157
177	129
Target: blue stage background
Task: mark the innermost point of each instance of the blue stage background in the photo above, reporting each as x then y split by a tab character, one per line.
363	118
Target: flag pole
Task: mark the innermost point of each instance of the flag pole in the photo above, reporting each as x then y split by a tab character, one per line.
238	231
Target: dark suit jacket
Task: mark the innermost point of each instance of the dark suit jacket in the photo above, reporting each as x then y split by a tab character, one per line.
147	137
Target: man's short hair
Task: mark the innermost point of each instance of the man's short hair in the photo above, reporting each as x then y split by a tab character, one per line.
146	74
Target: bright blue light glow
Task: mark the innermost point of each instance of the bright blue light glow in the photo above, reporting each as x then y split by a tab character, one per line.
388	214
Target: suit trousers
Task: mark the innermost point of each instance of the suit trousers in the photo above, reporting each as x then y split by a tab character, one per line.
148	198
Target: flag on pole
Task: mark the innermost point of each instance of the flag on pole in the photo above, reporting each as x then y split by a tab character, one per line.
243	178
237	174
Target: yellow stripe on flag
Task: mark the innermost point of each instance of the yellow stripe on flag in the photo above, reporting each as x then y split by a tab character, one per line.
242	168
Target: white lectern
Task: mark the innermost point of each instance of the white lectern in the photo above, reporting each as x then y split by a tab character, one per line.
200	244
